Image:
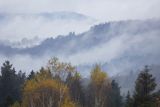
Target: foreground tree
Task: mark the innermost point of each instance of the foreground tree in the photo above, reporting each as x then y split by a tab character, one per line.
115	96
75	88
10	85
157	98
145	85
44	91
60	70
16	104
31	75
129	100
99	88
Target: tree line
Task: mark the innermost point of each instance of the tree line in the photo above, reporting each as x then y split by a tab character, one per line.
61	85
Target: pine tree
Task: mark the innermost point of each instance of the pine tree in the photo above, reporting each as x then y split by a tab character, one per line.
145	85
129	101
21	78
10	85
31	75
76	89
116	98
7	84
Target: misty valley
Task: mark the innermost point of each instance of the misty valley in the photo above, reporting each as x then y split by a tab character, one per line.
110	65
79	53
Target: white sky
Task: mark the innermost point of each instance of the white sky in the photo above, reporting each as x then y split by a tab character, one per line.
100	9
103	10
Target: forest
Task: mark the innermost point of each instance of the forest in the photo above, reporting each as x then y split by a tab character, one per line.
59	84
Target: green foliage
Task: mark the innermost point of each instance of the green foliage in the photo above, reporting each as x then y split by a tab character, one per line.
129	100
115	97
60	85
76	88
16	104
8	101
31	75
145	85
10	85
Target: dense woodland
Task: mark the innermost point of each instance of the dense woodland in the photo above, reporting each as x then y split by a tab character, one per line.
60	85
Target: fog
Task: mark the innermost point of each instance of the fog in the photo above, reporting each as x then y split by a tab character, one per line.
99	9
18	26
121	53
25	63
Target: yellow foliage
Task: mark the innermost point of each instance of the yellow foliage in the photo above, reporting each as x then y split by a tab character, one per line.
76	76
43	74
98	77
68	103
33	85
43	90
60	69
100	84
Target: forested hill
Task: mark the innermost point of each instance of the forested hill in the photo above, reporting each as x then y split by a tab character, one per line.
119	46
96	36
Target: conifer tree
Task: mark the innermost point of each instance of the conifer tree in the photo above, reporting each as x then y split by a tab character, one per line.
31	75
115	97
10	85
76	89
129	101
145	85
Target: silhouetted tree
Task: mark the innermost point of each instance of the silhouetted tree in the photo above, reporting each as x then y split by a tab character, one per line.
21	78
115	97
145	85
129	100
31	75
76	89
10	85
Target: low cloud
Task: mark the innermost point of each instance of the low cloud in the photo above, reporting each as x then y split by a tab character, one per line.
100	9
17	27
123	52
25	63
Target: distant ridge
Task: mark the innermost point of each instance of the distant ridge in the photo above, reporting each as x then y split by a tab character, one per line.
61	15
97	35
124	44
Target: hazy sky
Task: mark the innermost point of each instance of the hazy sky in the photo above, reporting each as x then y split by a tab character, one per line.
18	27
100	9
103	10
